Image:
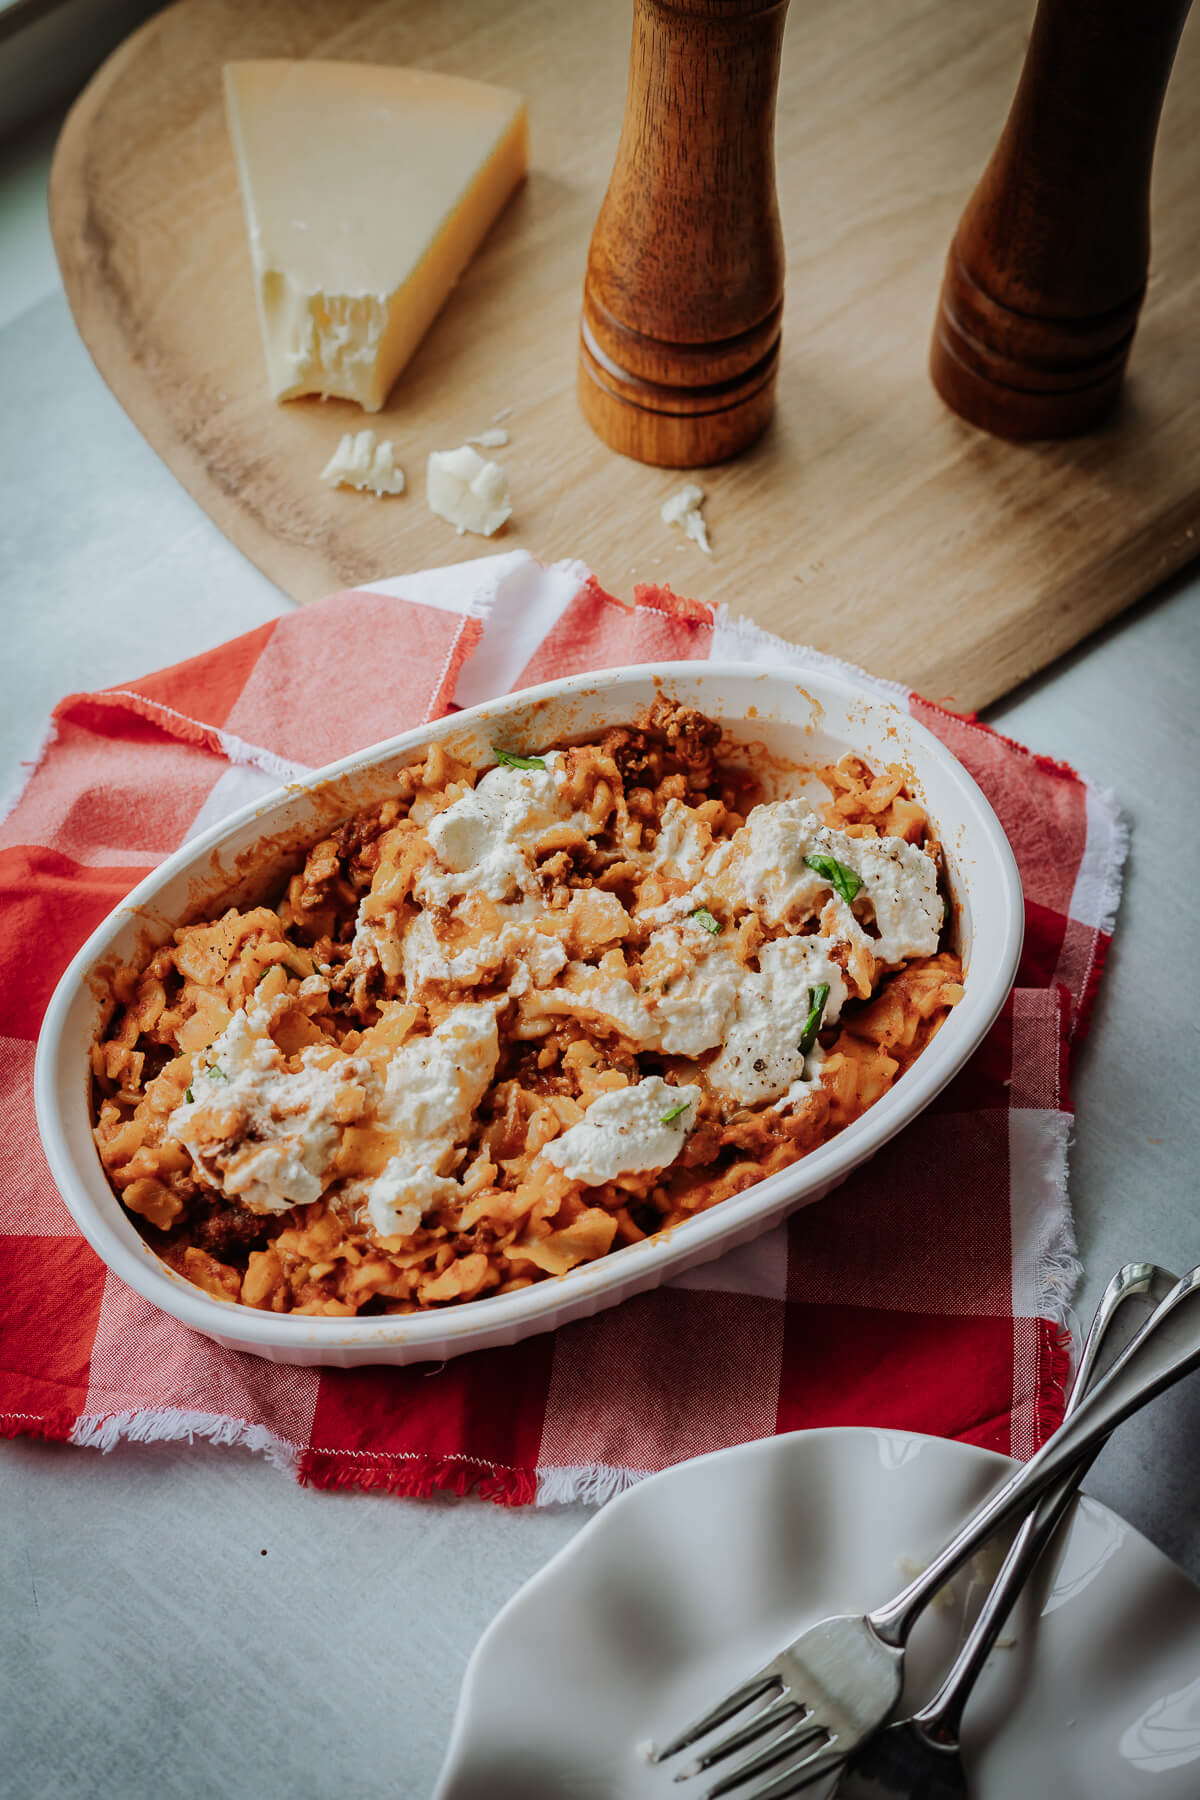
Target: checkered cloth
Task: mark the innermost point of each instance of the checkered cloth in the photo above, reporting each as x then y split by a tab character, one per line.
927	1294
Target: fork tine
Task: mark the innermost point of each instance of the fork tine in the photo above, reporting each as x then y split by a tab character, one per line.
755	1689
815	1767
781	1711
791	1741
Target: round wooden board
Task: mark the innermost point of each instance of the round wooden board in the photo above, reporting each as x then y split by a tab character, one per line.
869	522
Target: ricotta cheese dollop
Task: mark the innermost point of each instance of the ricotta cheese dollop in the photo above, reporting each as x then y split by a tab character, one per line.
482	842
626	1131
762	1055
261	1133
432	1088
770	868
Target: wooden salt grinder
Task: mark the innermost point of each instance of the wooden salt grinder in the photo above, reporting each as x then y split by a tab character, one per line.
1047	270
679	339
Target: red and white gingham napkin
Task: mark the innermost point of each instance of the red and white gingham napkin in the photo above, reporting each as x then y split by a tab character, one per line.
927	1294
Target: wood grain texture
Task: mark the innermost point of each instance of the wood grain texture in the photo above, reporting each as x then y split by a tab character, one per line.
683	295
1047	272
869	520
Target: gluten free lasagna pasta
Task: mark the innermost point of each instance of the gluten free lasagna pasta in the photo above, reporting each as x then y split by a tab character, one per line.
511	1020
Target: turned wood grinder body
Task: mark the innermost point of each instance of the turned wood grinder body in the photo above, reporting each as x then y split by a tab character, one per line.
683	298
1047	271
679	338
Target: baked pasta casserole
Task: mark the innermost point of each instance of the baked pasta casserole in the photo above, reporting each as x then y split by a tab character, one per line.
513	1019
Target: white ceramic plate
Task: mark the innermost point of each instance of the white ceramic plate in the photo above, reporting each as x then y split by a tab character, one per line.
686	1584
237	860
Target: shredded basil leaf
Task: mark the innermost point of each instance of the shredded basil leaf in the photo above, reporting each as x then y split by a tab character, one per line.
703	917
289	968
517	762
190	1097
816	1007
215	1074
675	1112
843	880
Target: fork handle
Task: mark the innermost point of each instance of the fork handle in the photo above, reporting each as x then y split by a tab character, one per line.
939	1719
1164	1350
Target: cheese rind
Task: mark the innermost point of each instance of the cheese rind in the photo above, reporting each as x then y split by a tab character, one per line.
367	190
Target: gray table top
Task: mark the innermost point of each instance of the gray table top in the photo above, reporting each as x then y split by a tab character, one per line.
135	1655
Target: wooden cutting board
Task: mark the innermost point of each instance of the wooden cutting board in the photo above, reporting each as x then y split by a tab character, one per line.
870	521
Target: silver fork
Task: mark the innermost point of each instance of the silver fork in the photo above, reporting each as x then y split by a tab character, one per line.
836	1684
920	1755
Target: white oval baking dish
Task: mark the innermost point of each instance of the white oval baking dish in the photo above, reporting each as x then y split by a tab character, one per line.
237	860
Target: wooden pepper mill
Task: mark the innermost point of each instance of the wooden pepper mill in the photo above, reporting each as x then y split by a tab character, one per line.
679	339
1047	271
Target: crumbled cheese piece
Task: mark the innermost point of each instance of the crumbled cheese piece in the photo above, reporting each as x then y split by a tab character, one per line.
467	491
494	438
760	1058
360	462
432	1088
683	509
626	1130
900	881
263	1134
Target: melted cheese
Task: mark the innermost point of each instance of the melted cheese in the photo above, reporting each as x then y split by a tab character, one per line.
527	955
263	1134
270	1137
432	1088
657	979
684	844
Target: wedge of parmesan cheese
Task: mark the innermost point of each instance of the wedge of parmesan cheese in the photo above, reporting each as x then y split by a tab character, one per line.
367	190
360	462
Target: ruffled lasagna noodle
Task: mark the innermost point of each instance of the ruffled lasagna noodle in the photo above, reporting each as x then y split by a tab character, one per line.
512	1020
